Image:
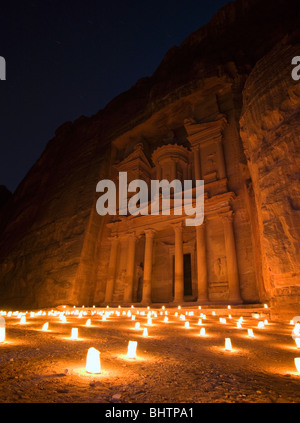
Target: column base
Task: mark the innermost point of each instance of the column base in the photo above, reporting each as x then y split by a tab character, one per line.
235	301
203	300
145	303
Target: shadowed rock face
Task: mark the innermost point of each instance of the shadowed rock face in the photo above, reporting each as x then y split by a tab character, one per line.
270	130
53	244
5	195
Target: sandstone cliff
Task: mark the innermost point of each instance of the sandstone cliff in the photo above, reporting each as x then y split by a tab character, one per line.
270	129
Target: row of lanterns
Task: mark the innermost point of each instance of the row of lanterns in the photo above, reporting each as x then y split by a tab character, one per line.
93	364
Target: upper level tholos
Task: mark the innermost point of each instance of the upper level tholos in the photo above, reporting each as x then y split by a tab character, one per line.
197	156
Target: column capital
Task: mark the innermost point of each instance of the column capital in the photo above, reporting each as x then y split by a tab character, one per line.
178	227
227	217
132	235
202	226
150	233
113	238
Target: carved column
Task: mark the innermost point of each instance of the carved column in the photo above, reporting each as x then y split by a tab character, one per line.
158	172
112	269
197	164
179	271
220	159
201	263
147	282
130	268
174	170
232	267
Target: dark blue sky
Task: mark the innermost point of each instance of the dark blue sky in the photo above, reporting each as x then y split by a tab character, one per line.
69	58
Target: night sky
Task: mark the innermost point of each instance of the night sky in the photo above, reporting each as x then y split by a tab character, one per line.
70	58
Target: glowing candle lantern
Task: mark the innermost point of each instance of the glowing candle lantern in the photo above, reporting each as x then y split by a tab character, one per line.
187	325
228	346
297	364
179	307
239	325
241	320
163	307
265	305
166	319
137	325
161	313
2	329
297	340
199	307
88	322
74	333
202	332
176	314
260	325
229	307
145	332
32	314
9	314
131	353
133	317
93	364
200	322
266	322
23	320
291	322
229	316
149	322
129	313
250	333
204	316
213	313
45	327
103	318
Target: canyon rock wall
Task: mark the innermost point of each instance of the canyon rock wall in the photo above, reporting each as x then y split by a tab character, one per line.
52	242
270	129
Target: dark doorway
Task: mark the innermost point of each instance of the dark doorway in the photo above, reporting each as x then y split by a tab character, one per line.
187	275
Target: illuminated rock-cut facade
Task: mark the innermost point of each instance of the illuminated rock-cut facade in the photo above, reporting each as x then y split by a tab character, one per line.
157	257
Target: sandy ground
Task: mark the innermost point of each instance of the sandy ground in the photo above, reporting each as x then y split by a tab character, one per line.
173	365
